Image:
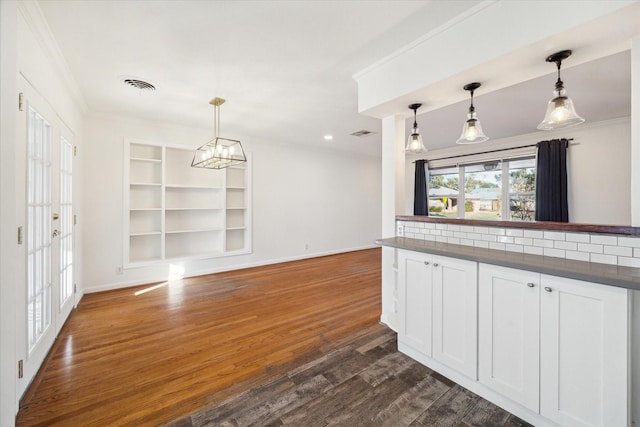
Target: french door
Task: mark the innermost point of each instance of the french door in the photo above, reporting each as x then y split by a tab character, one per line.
44	167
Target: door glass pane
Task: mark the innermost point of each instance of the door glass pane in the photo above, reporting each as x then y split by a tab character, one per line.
38	227
66	221
483	191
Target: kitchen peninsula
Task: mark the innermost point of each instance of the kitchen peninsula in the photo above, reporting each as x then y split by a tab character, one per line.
537	317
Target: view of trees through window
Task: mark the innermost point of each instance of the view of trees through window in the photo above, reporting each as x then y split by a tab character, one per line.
482	192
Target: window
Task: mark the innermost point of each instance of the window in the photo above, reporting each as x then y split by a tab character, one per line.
498	190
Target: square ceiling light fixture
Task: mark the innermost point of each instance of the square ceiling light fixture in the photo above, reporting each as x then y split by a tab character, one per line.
219	153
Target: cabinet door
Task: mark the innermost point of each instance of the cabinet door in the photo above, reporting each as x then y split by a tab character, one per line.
509	333
415	296
583	347
455	322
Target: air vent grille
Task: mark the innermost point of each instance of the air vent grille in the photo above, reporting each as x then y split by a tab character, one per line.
362	133
138	84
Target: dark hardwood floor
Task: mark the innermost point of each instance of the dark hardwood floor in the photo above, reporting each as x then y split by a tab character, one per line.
367	382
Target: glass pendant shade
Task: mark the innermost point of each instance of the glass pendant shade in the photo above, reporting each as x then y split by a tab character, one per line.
415	145
560	113
472	131
219	153
560	110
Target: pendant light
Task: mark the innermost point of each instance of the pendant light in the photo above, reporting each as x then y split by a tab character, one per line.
414	142
472	129
219	153
560	111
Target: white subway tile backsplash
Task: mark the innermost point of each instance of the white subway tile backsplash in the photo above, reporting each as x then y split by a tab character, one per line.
554	235
578	256
504	239
577	237
533	250
604	259
569	246
514	232
633	242
606	249
514	248
466	242
629	262
527	241
558	253
534	234
497	246
604	240
588	247
618	250
543	243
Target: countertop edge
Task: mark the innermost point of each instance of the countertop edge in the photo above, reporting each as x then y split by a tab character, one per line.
612	275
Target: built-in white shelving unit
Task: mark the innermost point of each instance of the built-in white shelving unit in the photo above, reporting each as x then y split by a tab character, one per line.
174	211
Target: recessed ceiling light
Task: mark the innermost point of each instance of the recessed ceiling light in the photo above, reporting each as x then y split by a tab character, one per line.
328	137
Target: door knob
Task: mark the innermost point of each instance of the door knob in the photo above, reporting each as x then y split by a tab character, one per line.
55	233
548	289
531	285
436	264
56	216
426	263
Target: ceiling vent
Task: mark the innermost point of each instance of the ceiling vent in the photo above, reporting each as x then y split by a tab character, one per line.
362	133
136	83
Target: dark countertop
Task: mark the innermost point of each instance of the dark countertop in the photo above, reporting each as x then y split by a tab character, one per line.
613	275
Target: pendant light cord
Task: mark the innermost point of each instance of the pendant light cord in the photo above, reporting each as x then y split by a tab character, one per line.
559	83
472	109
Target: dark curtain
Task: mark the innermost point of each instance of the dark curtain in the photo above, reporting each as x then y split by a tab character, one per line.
551	181
420	203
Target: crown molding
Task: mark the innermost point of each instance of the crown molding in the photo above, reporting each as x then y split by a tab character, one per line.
39	27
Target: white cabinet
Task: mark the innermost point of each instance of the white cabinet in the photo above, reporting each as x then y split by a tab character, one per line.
176	211
584	353
415	293
438	309
509	331
563	340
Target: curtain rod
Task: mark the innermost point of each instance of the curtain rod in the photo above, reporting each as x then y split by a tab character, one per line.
492	151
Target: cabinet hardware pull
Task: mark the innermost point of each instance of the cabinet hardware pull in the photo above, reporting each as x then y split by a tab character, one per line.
531	285
436	264
426	263
548	289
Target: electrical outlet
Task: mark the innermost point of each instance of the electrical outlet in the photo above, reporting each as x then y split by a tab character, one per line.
119	270
400	230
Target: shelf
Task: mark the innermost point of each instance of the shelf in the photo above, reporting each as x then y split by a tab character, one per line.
236	188
144	209
145	233
145	184
236	228
145	159
195	187
202	230
235	208
194	209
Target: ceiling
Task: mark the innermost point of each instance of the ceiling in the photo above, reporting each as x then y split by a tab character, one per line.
285	68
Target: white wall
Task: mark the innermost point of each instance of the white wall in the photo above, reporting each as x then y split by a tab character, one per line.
330	201
598	168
